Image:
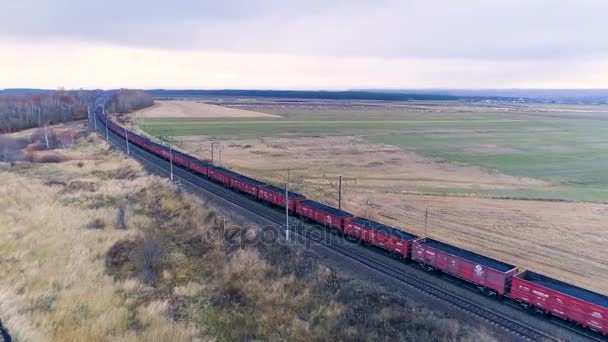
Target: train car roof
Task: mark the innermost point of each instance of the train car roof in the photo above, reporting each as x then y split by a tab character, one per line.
251	180
569	289
326	208
239	176
468	255
384	228
198	161
282	191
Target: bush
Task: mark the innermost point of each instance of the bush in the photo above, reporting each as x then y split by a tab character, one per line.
48	157
150	259
96	224
120	259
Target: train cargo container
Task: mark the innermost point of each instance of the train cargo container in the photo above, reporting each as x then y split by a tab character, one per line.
199	166
159	149
135	139
181	159
152	147
490	275
563	300
116	129
322	214
219	175
378	234
246	184
275	195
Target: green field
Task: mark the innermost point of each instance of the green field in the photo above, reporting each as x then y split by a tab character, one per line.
339	122
571	153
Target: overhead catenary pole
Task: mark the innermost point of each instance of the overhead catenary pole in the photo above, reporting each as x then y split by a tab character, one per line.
426	221
171	160
340	193
46	136
287	207
212	148
127	139
219	150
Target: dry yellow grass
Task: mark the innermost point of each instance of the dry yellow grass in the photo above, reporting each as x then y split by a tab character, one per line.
52	284
195	109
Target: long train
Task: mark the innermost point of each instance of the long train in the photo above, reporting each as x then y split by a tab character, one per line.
492	277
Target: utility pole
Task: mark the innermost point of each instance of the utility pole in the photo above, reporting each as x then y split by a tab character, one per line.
219	149
340	193
46	137
171	160
127	139
338	187
287	207
212	148
426	221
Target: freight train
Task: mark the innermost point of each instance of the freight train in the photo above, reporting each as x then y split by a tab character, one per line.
533	291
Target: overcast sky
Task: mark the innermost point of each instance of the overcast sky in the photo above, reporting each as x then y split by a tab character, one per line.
309	44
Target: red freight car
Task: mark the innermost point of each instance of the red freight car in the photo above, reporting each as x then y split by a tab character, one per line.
490	275
181	159
136	139
563	300
380	235
199	166
322	214
116	129
220	175
275	195
152	147
245	184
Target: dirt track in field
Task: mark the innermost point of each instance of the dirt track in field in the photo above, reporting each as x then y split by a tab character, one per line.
195	109
560	239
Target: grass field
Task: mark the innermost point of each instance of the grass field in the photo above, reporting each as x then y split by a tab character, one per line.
571	153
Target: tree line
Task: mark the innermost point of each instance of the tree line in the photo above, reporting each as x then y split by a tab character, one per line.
19	112
128	100
28	110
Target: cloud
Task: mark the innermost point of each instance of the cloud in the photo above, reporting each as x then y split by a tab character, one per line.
299	44
90	65
472	29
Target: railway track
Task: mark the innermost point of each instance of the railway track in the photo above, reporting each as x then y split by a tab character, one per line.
514	326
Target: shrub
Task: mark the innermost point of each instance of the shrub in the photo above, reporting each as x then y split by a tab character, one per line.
48	157
96	224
